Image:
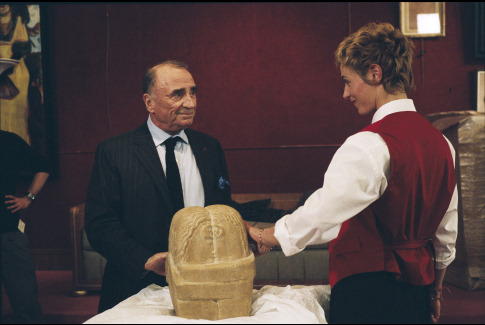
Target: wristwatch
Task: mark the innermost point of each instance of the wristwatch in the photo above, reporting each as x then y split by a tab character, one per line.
31	196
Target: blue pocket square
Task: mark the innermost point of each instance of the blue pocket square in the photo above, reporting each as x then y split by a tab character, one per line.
223	183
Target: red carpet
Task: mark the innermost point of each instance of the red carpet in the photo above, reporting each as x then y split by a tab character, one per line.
458	306
57	304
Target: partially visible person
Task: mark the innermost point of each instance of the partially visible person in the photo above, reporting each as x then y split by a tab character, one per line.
17	270
129	206
388	197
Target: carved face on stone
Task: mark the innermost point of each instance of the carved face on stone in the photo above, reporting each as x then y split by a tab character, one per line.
210	269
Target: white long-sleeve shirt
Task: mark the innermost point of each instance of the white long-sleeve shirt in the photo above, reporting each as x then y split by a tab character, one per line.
190	178
356	177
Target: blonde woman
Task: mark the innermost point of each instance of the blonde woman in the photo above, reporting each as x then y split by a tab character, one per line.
388	203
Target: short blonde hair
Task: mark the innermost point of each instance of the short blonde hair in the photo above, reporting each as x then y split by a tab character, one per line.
380	44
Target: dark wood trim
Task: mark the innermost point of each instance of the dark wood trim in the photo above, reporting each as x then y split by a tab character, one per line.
284	147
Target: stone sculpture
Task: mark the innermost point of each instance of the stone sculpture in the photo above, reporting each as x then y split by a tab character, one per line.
210	268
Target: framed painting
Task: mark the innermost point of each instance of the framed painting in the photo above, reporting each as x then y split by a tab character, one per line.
26	106
422	19
481	91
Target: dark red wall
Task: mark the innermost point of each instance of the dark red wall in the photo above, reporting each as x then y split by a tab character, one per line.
268	88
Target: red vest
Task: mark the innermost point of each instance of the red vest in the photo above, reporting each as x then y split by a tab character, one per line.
392	233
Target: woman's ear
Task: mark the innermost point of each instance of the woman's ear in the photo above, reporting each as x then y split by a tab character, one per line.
375	73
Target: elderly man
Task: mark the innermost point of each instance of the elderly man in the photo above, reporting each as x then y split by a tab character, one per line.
131	199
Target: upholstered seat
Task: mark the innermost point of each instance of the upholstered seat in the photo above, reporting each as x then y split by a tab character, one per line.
308	266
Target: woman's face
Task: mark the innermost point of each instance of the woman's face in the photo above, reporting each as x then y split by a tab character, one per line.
358	92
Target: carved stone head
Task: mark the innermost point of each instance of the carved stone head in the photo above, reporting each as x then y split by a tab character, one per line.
210	268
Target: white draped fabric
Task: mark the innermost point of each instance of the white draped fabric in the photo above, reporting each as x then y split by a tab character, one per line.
271	305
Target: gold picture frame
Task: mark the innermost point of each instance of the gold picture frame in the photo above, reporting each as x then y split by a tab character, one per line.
481	91
422	19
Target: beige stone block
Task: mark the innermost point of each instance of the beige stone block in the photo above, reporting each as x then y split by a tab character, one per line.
210	268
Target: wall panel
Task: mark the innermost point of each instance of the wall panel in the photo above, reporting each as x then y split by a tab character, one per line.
268	87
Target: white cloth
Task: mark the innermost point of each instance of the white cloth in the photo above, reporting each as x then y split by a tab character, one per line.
356	177
192	187
270	305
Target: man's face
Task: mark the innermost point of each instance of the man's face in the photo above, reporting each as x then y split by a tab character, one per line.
173	100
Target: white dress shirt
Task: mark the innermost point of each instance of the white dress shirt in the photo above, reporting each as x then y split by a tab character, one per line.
356	177
192	187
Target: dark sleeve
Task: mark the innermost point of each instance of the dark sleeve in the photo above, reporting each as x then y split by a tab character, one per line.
223	182
103	218
254	210
26	158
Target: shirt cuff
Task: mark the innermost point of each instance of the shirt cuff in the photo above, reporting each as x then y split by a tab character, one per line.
144	274
281	233
441	264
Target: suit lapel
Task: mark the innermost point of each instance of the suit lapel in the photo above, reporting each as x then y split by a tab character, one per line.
147	154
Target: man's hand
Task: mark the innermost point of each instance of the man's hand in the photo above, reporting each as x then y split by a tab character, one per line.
156	263
16	203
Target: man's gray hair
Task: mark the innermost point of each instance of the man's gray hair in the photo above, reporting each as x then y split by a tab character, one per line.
149	77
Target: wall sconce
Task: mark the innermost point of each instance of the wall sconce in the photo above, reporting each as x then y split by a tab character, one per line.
422	19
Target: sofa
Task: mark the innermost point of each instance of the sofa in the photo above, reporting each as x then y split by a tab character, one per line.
259	209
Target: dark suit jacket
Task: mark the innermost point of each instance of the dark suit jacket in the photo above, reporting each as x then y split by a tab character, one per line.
128	208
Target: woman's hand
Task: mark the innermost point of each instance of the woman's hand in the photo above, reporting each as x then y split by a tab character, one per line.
435	311
260	241
436	295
